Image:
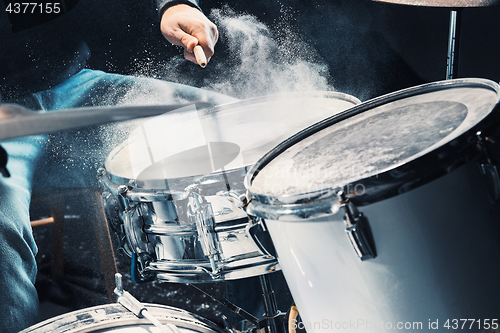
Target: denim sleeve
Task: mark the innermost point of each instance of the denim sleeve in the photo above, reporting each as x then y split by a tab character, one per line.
162	5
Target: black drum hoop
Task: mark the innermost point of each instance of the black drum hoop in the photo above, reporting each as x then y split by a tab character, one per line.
399	178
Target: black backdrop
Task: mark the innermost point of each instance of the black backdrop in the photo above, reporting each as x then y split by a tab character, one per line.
370	48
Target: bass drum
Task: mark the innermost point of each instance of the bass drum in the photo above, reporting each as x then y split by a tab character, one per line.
116	318
387	217
178	179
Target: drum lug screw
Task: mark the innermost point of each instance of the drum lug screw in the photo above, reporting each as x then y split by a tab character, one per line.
122	192
243	200
101	172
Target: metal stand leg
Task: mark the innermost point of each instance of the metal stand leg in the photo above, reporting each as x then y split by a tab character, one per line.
274	317
454	44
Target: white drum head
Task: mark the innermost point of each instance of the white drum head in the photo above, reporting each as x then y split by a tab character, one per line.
376	140
188	143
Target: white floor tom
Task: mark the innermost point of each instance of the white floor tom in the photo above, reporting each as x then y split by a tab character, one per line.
386	217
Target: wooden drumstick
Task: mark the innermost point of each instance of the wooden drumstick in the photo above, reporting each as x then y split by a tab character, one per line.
292	319
200	56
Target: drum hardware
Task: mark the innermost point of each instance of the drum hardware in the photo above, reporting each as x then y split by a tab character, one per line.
127	315
228	304
132	247
273	317
200	212
257	229
114	218
260	235
455	24
355	228
139	224
273	320
454	44
133	305
489	169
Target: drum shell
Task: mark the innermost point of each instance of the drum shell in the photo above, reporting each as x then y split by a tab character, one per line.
438	258
172	250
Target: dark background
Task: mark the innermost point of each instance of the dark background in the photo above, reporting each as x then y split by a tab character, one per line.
366	48
370	48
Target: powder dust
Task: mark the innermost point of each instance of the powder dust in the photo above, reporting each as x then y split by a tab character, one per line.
251	59
255	60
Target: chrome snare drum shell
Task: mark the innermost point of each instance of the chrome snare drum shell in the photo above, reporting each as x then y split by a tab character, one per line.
375	239
155	193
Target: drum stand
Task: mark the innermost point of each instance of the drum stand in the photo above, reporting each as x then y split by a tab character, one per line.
455	22
273	320
454	44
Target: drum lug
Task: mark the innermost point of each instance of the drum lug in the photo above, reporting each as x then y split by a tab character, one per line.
257	230
489	169
356	228
122	193
201	212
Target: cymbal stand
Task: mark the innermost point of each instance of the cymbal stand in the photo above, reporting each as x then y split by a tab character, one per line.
273	317
454	44
273	320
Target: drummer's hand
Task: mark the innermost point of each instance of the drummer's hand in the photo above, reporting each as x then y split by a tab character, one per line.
187	26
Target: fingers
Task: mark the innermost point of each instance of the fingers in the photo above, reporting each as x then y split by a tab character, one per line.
187	27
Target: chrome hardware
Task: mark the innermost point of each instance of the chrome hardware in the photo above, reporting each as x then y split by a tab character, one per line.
133	305
201	212
244	200
133	226
257	229
166	211
356	229
489	170
122	193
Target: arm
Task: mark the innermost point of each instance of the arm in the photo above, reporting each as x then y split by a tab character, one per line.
182	23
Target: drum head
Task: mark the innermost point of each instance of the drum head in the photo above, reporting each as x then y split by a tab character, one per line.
115	318
177	149
380	138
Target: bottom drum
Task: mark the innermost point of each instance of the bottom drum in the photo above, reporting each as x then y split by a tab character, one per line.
386	218
116	318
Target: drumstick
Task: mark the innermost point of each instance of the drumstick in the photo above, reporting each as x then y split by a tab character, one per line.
200	56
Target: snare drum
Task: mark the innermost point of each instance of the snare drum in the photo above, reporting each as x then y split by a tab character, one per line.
386	217
116	318
177	181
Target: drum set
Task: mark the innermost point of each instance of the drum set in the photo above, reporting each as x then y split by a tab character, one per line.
383	215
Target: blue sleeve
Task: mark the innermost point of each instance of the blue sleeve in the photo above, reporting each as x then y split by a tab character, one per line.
162	5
